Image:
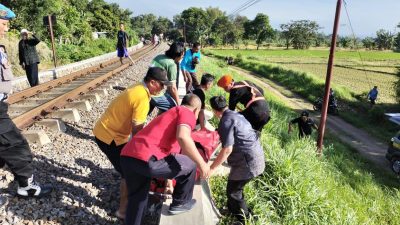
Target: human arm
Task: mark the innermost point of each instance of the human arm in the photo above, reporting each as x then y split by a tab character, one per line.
21	55
136	127
34	40
183	135
291	123
202	119
173	90
222	157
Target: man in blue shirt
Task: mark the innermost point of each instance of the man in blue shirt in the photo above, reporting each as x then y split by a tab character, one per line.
188	66
373	95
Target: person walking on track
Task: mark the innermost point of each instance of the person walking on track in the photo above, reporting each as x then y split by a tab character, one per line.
169	62
251	96
124	117
14	149
28	56
190	60
242	148
123	44
164	149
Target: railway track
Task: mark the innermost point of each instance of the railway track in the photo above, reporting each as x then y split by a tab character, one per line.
35	103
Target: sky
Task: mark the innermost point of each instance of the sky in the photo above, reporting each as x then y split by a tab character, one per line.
367	16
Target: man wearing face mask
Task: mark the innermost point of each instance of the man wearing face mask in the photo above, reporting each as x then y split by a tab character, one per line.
28	56
14	149
125	116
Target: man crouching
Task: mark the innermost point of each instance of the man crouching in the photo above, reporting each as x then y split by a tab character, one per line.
242	148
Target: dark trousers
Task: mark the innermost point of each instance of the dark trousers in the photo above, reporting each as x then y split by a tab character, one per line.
195	81
138	175
236	202
32	73
15	152
113	152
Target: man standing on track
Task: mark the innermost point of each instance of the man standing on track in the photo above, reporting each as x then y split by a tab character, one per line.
28	56
126	116
251	96
123	44
14	149
243	150
156	152
188	66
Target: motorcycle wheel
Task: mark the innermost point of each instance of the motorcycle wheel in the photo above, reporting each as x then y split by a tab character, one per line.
395	164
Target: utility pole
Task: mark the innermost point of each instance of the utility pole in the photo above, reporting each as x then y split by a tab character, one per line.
52	41
321	130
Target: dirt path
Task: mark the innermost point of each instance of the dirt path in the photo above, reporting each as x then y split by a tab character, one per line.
369	147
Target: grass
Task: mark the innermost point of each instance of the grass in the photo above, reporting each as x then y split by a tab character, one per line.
355	108
299	187
379	67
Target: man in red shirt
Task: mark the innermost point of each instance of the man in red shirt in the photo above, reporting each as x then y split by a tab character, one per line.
164	149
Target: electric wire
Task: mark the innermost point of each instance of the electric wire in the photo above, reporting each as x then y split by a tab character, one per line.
354	41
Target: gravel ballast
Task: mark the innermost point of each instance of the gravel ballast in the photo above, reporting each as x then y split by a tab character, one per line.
86	185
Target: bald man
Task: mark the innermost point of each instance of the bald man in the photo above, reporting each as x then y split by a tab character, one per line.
164	149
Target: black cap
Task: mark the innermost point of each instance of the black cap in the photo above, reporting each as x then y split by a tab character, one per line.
156	73
305	113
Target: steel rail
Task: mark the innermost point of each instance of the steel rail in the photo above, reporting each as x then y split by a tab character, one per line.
29	117
29	92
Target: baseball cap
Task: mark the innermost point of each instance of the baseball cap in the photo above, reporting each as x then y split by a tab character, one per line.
304	113
158	74
6	13
225	81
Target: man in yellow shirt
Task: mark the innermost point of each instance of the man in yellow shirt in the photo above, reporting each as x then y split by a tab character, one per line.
125	116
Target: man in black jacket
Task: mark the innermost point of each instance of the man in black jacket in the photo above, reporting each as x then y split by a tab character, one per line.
251	96
14	149
28	56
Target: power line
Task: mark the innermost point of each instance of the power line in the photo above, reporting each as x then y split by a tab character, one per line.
355	44
243	7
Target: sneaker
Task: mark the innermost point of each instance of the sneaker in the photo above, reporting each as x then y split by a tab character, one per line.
33	190
3	201
178	209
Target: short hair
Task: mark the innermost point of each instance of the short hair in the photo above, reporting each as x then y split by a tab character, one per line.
218	103
196	45
5	49
191	100
206	78
305	113
175	50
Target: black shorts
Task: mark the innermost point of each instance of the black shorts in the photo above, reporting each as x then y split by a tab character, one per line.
113	153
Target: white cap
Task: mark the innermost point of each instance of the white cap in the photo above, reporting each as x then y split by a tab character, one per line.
24	31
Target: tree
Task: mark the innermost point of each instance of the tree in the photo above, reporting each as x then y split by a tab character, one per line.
259	29
368	43
174	35
161	25
345	42
143	24
384	39
397	40
196	23
300	33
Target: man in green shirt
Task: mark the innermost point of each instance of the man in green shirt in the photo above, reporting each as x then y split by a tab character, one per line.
170	63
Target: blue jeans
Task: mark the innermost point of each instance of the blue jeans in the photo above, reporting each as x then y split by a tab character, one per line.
163	103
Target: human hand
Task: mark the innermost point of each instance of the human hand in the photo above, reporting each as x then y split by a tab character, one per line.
205	171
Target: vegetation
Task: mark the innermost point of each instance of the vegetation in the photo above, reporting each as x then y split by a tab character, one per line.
76	20
351	93
298	187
